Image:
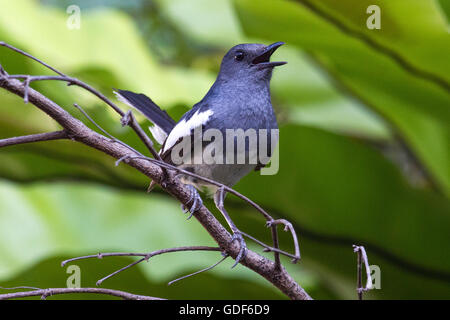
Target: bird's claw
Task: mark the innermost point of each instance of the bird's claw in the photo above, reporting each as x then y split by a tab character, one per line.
243	247
196	200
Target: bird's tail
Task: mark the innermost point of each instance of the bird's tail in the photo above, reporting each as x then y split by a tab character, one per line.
162	122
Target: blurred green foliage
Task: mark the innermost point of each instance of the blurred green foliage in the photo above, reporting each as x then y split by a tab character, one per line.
363	146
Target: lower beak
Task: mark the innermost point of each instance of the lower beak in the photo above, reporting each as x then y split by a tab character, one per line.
263	59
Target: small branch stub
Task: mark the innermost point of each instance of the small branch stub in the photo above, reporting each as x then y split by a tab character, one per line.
362	258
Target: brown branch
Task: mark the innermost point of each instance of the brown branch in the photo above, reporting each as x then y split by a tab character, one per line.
34	138
44	293
81	133
127	118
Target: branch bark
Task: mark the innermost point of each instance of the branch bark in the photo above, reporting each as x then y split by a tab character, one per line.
34	138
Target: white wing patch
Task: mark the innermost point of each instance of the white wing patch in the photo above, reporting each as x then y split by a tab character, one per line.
159	134
123	99
183	128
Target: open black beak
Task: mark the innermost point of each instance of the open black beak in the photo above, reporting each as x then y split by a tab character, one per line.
263	60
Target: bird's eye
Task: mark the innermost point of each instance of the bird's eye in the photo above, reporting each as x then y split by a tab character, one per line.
239	56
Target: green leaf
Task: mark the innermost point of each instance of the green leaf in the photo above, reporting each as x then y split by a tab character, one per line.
415	105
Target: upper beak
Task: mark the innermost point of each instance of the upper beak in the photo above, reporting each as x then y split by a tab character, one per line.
263	59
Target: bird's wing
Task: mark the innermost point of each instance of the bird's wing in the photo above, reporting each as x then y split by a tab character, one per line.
197	117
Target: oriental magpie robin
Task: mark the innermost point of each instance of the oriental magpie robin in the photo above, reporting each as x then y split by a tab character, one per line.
238	102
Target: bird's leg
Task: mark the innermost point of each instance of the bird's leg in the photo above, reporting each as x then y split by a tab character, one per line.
196	200
219	197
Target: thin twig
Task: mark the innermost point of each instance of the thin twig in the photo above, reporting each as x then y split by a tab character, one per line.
44	293
362	257
146	256
288	227
269	248
99	282
34	138
359	288
140	132
2	43
276	245
113	139
20	287
200	271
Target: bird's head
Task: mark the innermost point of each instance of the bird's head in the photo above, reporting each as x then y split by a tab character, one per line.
249	61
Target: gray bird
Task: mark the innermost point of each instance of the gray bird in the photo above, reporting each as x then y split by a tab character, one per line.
238	99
